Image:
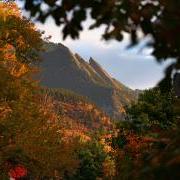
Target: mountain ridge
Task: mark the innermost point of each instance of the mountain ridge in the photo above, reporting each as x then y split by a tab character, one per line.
63	69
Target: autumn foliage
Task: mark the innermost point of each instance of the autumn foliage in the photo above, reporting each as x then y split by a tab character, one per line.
29	133
46	134
18	172
36	140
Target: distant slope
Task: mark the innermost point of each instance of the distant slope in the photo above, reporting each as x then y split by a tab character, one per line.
63	69
75	108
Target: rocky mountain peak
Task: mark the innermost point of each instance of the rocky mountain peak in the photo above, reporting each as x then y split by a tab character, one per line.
102	73
63	69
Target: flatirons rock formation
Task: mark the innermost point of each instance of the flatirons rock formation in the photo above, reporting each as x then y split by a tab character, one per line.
63	69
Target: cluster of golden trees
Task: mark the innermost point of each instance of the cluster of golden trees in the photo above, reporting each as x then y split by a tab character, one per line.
29	131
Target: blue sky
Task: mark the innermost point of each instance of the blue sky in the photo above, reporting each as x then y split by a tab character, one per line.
134	67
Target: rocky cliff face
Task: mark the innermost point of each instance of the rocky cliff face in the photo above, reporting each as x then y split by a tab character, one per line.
63	69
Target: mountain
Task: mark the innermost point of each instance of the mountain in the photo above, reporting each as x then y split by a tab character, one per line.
61	68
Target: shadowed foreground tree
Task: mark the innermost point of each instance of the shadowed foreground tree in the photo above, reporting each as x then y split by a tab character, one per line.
158	18
147	144
154	110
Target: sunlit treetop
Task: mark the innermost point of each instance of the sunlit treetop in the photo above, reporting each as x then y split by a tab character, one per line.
13	26
9	9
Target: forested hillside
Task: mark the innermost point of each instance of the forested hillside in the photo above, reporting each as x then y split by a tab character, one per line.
79	109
